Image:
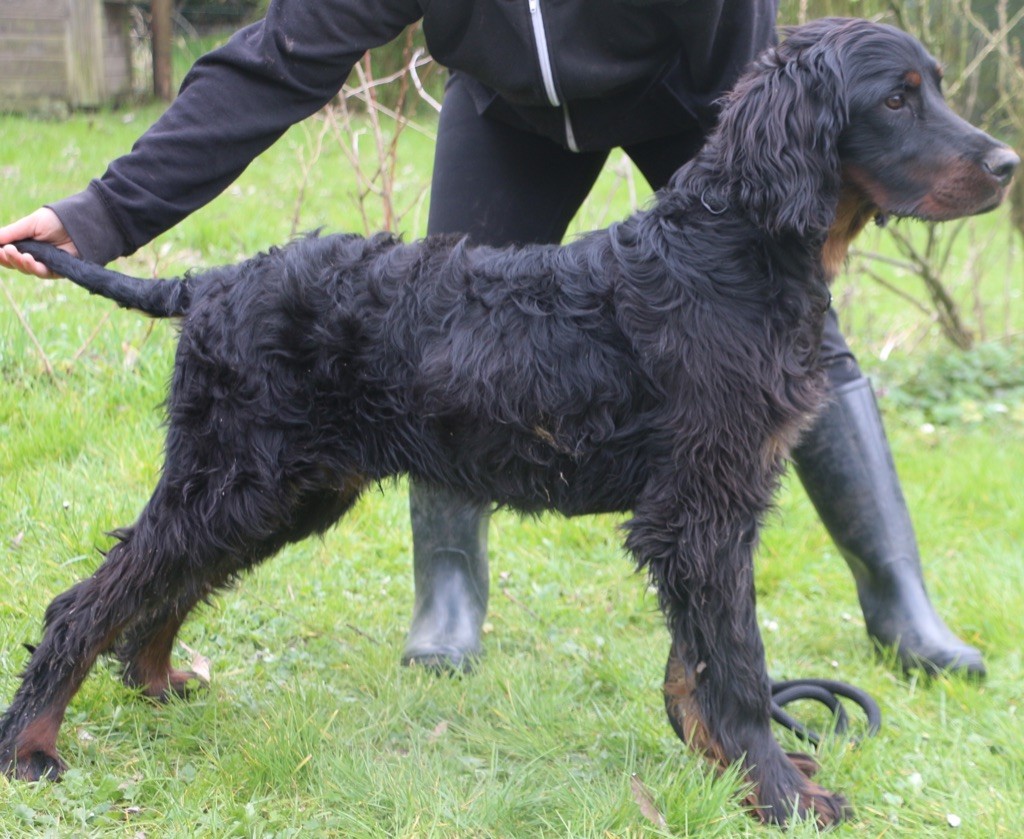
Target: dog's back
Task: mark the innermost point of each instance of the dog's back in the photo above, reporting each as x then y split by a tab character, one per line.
504	370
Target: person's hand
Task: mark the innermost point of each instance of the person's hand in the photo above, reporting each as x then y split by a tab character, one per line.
42	225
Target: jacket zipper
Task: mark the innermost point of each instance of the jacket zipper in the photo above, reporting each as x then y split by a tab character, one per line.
544	59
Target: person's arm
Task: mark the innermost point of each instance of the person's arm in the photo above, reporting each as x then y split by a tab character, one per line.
234	103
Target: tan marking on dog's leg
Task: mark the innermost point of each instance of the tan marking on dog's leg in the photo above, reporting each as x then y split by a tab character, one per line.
681	704
35	749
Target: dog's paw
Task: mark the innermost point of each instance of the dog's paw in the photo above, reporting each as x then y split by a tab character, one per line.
159	682
810	803
33	765
823	807
789	794
178	683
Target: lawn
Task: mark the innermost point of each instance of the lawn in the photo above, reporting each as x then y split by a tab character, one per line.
311	728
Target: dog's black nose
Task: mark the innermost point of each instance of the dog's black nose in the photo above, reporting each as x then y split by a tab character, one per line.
1001	163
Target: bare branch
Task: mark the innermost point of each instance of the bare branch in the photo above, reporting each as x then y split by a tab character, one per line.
412	68
92	336
899	292
31	335
994	41
306	166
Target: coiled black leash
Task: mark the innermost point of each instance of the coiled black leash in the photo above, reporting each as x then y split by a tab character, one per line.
828	693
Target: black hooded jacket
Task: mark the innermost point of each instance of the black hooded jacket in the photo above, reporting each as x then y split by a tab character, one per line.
589	74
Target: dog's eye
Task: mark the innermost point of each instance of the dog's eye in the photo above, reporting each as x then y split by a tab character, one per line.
895	102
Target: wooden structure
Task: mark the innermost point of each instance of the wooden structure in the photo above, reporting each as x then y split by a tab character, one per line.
76	52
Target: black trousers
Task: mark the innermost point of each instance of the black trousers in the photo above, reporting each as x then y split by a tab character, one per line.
501	185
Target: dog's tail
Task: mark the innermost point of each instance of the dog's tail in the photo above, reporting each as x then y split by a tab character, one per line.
158	298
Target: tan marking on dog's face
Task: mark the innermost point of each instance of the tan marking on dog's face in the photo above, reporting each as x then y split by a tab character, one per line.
959	186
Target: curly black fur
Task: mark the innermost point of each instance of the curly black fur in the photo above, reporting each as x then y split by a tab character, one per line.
664	366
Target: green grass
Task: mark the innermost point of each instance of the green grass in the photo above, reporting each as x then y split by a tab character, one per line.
311	728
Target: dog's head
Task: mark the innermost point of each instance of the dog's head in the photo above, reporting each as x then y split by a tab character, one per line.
846	104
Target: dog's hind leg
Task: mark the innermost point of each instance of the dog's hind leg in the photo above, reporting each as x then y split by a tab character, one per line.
79	624
145	646
717	690
182	546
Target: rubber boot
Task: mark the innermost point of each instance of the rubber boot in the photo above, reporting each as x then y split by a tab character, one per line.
846	467
450	576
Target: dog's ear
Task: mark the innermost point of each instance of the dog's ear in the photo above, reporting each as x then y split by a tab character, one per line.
777	138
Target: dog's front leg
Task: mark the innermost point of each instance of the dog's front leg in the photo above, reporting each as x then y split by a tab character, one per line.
717	690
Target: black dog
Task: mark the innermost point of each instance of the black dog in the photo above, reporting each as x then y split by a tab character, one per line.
665	366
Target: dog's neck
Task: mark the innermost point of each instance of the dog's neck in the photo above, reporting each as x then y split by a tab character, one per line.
854	210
